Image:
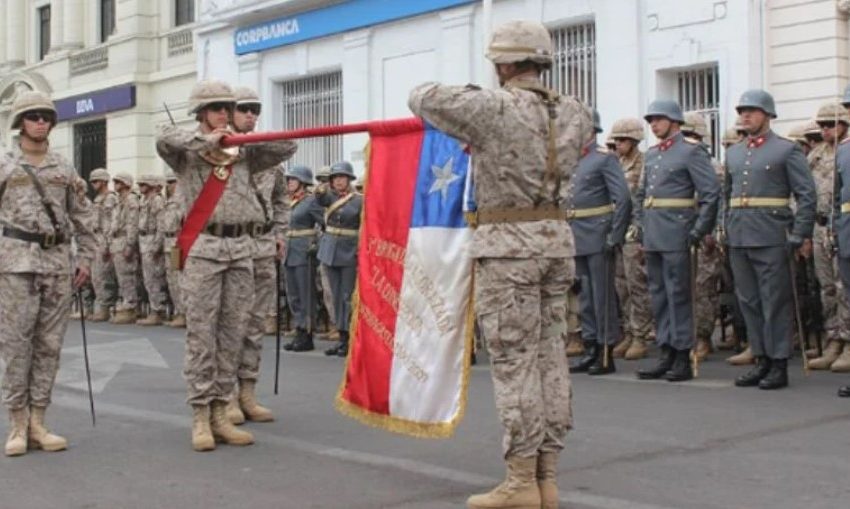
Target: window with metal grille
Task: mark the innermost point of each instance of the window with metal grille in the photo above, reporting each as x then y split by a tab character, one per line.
89	147
107	19
311	102
699	91
43	31
184	12
574	67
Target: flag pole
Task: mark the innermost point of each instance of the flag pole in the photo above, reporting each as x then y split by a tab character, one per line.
411	123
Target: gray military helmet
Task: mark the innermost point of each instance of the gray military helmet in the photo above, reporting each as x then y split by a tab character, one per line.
597	122
758	99
302	173
846	99
342	168
666	108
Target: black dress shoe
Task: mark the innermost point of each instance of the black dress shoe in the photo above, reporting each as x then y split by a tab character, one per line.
681	369
591	352
598	367
752	377
299	334
330	352
665	362
777	377
844	392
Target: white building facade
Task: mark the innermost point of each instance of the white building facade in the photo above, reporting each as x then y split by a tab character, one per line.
109	66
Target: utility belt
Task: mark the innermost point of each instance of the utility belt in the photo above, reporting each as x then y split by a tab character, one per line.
116	235
590	211
516	215
45	240
845	207
145	233
342	232
307	232
170	235
669	203
750	202
234	230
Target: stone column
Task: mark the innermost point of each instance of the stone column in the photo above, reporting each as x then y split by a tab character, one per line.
355	83
72	23
57	8
15	23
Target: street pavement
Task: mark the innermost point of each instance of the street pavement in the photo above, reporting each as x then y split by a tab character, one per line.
636	445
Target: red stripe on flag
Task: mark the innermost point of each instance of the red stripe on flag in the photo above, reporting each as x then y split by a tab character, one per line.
393	166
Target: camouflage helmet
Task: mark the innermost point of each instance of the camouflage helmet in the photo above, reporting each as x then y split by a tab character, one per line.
31	100
342	168
730	136
739	126
609	141
666	108
324	174
99	174
597	121
695	124
758	99
518	41
845	101
832	112
631	128
798	133
170	176
207	92
245	95
147	179
811	128
123	177
302	174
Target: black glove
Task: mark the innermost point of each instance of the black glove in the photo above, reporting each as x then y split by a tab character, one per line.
611	243
794	242
694	238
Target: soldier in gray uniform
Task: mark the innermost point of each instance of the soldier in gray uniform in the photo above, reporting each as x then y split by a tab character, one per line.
762	232
670	221
599	208
305	214
841	214
338	245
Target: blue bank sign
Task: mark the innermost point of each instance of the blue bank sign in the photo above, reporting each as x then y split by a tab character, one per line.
96	103
335	19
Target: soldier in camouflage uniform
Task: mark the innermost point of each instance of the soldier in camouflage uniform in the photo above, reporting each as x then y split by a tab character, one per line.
526	142
169	223
36	275
833	121
798	134
707	304
633	290
103	270
151	249
123	247
218	278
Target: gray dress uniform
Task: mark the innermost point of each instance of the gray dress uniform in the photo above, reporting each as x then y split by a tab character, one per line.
599	207
841	203
300	262
674	171
338	249
761	174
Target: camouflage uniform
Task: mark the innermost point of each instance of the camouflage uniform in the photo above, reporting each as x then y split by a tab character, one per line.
151	250
124	234
103	269
707	302
218	278
169	223
35	281
523	270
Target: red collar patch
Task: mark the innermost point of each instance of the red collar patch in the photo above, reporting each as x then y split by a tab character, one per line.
666	144
756	142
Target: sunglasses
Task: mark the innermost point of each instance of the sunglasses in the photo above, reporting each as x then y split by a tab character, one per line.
220	106
245	108
826	125
35	116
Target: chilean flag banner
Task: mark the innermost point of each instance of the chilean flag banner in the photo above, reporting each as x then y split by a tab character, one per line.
411	325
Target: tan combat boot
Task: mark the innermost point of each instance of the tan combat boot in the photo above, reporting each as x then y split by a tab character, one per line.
333	334
153	318
178	322
575	347
842	363
234	413
743	358
16	442
252	409
547	479
637	350
223	430
270	325
518	491
202	437
101	315
830	355
124	317
623	346
731	340
40	437
703	348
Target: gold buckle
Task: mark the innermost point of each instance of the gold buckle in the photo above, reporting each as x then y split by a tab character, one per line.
745	201
49	240
258	229
571	213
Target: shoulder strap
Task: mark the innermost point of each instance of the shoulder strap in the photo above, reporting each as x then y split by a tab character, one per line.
260	197
45	202
202	209
551	99
337	204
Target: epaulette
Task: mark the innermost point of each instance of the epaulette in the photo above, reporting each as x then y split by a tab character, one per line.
602	150
692	141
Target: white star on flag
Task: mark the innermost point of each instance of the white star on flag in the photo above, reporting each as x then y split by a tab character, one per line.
444	178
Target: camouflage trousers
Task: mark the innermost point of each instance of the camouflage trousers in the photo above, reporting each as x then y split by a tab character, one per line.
174	278
327	294
836	315
33	319
153	275
708	299
265	279
634	293
217	296
127	273
103	280
521	308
